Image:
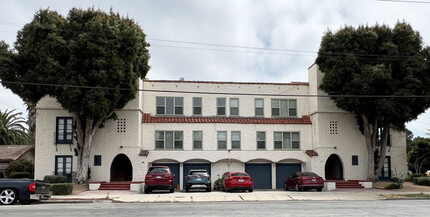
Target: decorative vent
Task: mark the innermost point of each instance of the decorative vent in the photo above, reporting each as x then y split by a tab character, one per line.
333	127
121	124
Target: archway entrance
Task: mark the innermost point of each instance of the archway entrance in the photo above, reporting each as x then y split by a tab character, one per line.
121	169
333	168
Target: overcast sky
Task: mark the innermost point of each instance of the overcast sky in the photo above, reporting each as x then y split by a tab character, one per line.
295	25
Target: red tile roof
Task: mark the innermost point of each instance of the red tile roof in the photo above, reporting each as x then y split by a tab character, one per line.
226	82
9	153
147	118
311	153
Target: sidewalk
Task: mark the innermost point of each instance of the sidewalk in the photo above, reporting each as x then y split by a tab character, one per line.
275	195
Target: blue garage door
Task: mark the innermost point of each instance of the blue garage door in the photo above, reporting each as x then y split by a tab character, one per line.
193	166
261	174
285	170
175	170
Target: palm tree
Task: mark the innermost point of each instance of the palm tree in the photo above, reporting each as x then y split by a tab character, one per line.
12	129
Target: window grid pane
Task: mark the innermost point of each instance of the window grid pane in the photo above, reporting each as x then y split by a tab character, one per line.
261	140
235	140
222	140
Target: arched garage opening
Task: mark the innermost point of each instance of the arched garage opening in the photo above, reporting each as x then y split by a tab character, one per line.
173	165
333	168
121	169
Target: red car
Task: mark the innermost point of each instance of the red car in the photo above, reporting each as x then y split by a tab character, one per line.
159	178
237	181
304	181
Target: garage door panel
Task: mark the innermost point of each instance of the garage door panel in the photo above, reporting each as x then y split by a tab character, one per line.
261	174
285	170
175	170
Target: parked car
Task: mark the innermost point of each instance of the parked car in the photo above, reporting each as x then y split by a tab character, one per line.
304	181
22	190
159	178
237	181
198	179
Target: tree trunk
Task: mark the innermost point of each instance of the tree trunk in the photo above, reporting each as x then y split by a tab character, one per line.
31	109
382	150
369	131
85	139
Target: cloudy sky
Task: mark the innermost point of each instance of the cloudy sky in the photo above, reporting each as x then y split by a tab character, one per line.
183	33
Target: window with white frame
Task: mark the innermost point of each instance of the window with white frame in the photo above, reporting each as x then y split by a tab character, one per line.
259	107
197	106
197	139
234	106
168	139
235	140
261	140
220	104
170	105
286	140
284	107
222	140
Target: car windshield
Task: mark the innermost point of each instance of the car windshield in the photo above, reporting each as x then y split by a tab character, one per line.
239	174
309	175
203	173
158	170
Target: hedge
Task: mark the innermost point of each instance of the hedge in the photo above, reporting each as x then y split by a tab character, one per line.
19	175
422	181
62	188
394	185
55	179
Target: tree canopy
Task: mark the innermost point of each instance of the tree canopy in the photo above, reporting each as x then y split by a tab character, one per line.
419	156
89	61
383	74
13	129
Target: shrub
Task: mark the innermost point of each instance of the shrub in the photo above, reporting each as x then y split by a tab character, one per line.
55	179
19	175
62	188
218	184
395	179
422	181
394	185
20	165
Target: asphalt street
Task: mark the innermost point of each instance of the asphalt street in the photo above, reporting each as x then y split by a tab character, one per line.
275	208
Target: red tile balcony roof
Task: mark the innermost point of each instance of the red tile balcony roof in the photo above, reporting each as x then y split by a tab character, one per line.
147	118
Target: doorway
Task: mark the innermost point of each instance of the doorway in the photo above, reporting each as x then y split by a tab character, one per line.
333	168
121	169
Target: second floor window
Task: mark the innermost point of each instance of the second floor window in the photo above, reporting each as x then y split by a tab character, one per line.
64	131
197	106
220	105
170	105
234	106
259	107
197	139
284	108
222	140
261	140
287	140
235	139
168	139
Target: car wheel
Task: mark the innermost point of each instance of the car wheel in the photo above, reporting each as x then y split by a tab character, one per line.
147	191
187	189
297	187
172	190
251	190
208	189
8	196
286	187
319	189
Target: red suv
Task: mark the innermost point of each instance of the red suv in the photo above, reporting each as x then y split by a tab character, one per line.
159	178
237	181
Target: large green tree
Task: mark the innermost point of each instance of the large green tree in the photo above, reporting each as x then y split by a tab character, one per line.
89	61
379	74
419	156
13	129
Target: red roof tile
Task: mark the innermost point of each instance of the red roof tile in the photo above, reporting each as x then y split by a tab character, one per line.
311	153
147	118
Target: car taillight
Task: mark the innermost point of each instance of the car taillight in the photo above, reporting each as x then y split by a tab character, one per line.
167	176
32	187
209	177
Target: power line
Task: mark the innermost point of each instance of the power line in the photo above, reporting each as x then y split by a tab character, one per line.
215	93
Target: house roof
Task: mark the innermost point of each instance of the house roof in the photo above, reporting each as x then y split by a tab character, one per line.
147	118
226	82
9	153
